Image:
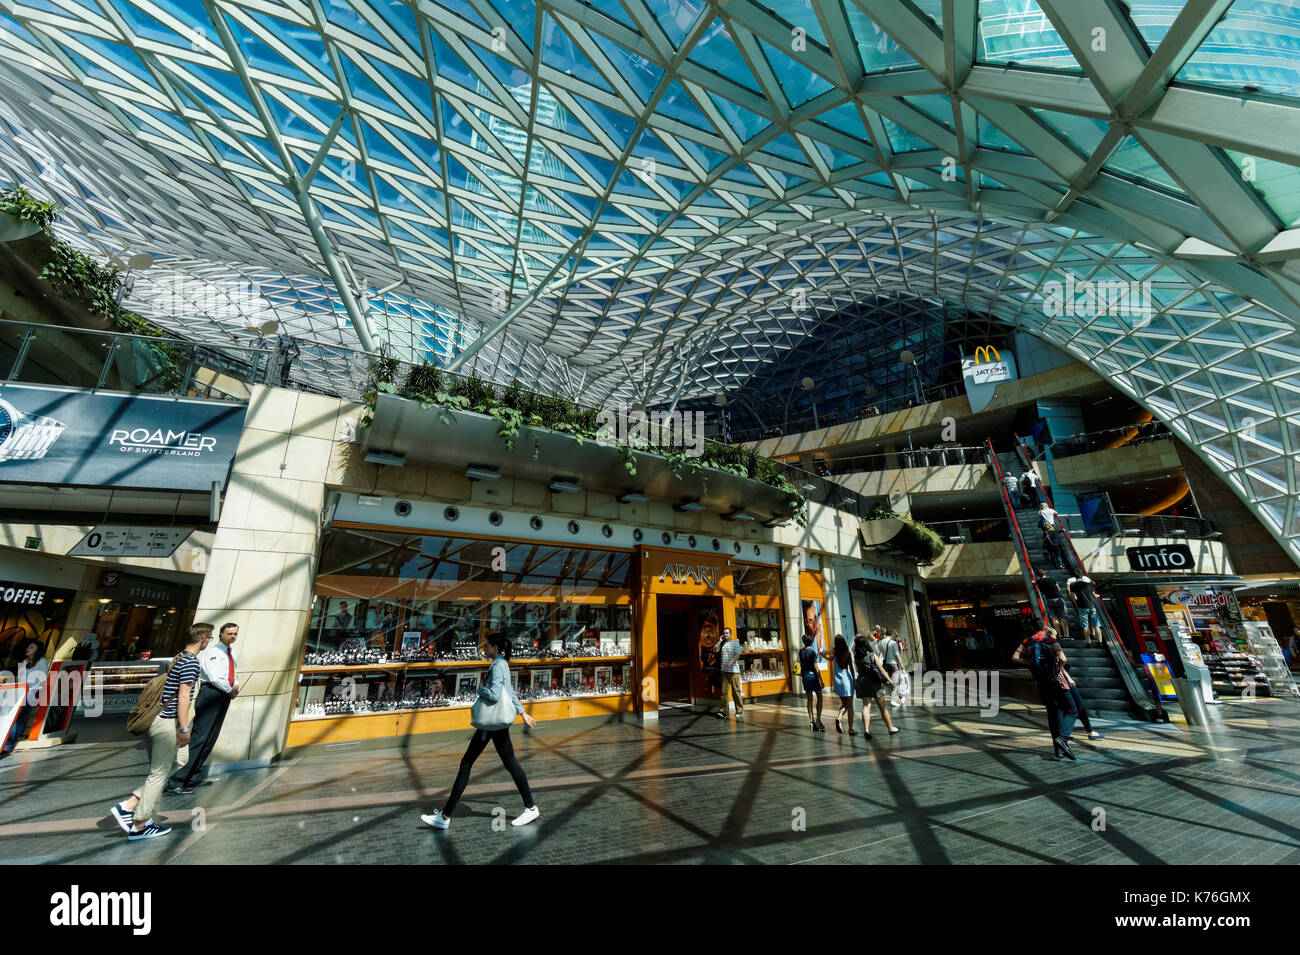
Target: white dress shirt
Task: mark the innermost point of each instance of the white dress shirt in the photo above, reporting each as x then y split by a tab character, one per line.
215	663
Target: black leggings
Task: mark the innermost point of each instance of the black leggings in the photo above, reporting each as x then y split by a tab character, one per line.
505	749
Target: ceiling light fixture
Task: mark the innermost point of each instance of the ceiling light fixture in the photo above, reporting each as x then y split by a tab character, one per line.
478	472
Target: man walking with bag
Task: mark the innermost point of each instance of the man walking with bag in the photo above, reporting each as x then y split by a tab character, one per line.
729	665
220	686
165	734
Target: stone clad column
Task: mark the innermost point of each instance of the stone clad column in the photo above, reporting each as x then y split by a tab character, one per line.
263	562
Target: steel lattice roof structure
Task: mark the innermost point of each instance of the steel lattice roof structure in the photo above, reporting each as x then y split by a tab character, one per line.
641	199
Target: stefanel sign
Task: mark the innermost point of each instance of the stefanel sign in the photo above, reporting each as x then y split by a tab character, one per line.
68	436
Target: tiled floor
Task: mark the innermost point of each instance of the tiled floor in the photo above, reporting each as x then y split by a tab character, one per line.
953	788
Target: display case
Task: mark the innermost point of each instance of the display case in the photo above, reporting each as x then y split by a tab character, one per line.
120	684
396	632
760	629
1260	639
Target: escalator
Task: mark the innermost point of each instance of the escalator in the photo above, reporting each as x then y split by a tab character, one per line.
1107	677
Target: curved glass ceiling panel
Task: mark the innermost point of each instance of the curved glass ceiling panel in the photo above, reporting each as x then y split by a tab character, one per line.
877	50
556	170
1131	159
1153	18
1277	182
1256	43
1018	31
1084	133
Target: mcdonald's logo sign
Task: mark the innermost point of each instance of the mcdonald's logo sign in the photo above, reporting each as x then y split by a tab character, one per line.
984	373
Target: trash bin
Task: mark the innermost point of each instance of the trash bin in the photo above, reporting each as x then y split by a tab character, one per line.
1191	701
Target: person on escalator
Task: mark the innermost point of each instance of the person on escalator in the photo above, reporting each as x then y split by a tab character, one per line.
1085	599
1013	490
1051	592
1031	487
1052	547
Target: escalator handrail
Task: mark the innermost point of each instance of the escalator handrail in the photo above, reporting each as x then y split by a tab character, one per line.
1139	692
1026	566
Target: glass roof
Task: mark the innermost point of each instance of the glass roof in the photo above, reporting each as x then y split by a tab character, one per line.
632	210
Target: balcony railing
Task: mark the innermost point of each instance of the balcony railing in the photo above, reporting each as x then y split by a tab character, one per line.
1165	526
915	458
841	416
137	364
1086	442
991	530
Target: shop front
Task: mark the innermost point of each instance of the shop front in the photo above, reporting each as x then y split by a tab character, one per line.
687	600
397	624
31	611
1243	657
979	626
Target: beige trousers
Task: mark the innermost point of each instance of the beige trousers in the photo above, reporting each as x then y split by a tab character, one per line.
161	743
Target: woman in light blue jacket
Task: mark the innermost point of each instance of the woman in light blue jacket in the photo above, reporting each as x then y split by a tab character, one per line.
497	649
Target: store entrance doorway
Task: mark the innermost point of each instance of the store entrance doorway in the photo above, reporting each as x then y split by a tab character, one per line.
674	656
689	630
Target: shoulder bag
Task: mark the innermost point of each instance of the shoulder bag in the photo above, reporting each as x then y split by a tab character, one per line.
494	716
150	703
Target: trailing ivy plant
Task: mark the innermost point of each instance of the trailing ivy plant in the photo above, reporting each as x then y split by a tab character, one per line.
25	207
96	286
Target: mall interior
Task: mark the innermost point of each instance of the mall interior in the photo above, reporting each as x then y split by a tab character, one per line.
373	328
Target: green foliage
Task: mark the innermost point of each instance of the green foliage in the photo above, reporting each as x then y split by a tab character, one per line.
25	207
423	383
515	408
96	286
928	544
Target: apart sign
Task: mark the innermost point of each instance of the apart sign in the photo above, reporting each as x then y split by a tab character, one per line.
107	541
1176	557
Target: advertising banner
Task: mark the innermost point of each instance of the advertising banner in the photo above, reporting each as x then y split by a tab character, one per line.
984	372
68	436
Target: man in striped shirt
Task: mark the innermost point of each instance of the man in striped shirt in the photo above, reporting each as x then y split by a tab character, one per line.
729	664
169	731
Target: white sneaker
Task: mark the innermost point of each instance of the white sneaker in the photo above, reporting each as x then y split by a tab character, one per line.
437	820
527	816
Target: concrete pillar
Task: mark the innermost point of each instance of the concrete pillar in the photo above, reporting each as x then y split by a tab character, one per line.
262	569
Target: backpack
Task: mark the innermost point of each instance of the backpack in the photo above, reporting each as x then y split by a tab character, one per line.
150	704
1042	661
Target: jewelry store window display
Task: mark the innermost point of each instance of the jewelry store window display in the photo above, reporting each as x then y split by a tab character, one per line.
493	715
397	627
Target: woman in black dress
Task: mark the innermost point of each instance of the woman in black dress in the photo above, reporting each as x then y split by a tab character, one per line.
812	683
872	684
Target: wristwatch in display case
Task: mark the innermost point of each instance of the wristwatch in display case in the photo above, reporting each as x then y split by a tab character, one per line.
25	437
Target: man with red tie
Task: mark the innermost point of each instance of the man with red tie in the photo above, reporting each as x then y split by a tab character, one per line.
220	686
